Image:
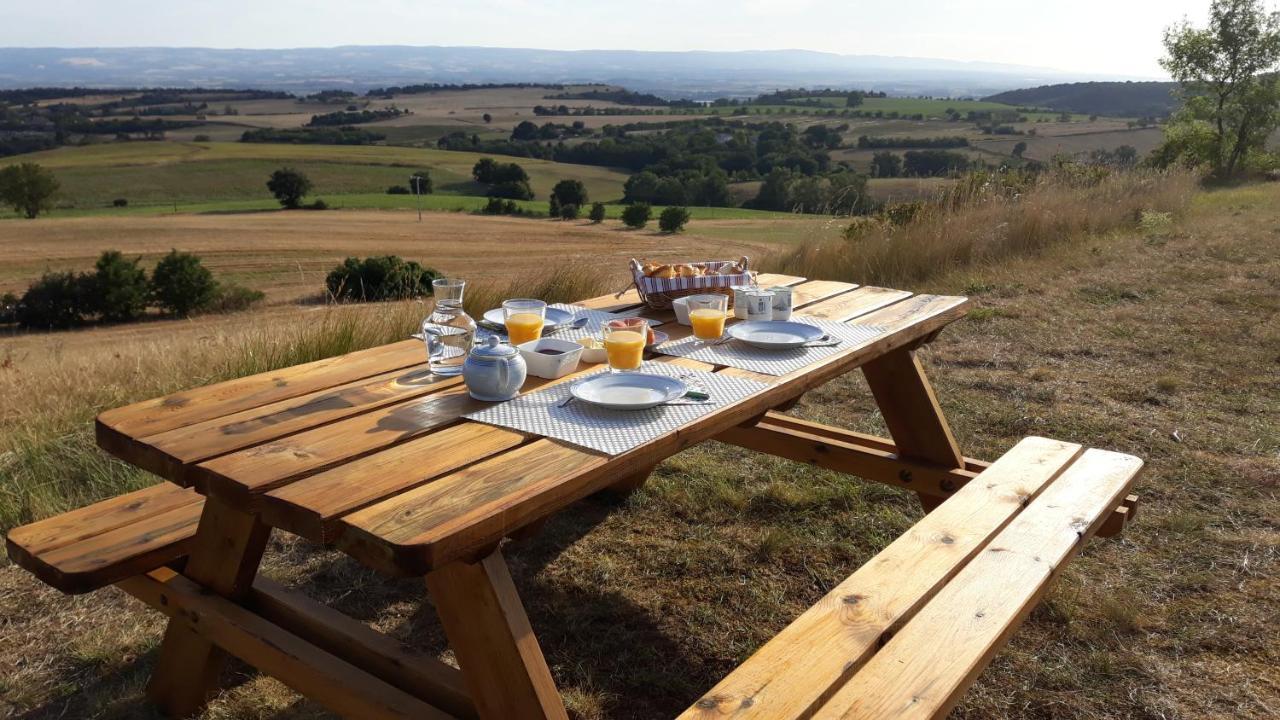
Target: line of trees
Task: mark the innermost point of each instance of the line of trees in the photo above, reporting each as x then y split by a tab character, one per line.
340	118
866	142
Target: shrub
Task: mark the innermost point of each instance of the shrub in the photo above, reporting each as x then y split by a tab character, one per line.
200	138
569	212
570	192
420	182
181	284
398	190
120	202
231	297
636	215
553	207
498	206
673	219
289	186
379	278
512	189
28	188
118	289
8	308
56	300
597	213
318	204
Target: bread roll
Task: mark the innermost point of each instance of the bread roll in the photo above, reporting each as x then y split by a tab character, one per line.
687	271
664	271
650	268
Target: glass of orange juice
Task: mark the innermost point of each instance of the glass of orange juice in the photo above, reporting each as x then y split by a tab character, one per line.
523	318
707	315
624	343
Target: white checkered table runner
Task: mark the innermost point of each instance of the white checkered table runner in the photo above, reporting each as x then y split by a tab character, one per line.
738	354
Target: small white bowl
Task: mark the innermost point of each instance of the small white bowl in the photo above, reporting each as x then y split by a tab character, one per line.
681	308
595	354
563	361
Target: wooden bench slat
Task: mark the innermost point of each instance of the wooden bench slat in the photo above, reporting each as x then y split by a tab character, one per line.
76	525
134	545
922	671
795	671
421	528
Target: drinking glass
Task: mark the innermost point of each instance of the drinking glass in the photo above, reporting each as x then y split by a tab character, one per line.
707	315
624	342
524	318
448	331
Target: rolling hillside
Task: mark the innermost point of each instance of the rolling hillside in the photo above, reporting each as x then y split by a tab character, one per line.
1112	99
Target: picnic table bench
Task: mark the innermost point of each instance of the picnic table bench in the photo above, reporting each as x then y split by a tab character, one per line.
369	453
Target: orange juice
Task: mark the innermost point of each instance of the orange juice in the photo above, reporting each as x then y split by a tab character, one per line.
625	349
524	327
708	323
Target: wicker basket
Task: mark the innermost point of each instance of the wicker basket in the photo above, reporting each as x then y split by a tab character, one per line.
658	293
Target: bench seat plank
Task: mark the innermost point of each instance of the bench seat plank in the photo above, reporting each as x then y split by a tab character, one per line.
795	671
923	670
97	545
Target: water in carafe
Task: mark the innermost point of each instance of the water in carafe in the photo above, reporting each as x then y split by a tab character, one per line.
448	331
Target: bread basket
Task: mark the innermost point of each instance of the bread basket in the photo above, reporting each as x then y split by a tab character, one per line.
658	292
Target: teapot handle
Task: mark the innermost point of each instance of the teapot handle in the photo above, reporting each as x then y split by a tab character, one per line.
504	374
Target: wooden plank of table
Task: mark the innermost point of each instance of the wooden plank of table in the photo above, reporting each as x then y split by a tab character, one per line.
923	670
795	671
466	511
318	675
211	401
814	290
172	453
852	304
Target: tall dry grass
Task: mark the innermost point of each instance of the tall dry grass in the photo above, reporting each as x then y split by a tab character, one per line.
985	219
49	397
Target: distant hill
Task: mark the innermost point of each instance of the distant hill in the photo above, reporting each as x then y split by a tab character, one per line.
696	75
1115	99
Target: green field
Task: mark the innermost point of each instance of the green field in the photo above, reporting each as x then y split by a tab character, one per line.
934	108
150	173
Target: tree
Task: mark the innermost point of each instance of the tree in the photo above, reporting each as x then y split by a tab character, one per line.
1020	148
636	215
1229	85
568	211
289	186
885	164
119	288
482	171
553	207
28	187
597	213
512	189
641	187
673	219
1126	156
420	182
56	300
181	284
525	131
774	192
570	192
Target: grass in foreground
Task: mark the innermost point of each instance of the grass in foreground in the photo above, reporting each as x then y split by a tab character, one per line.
1160	341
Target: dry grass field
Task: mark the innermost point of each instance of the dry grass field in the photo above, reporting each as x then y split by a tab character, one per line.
1162	341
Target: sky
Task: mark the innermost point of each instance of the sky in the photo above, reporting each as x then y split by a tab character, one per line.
1113	37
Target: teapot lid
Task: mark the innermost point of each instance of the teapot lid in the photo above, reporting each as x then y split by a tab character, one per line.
493	348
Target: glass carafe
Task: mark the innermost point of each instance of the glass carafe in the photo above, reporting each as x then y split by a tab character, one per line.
448	331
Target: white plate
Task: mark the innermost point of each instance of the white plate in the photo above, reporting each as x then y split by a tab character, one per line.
659	337
555	317
628	391
774	335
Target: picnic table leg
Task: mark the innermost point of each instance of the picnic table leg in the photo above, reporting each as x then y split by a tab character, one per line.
911	412
634	481
503	666
224	558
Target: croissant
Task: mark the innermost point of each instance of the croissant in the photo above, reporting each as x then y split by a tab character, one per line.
687	271
664	271
650	268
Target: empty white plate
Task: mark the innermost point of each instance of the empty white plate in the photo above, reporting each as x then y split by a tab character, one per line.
555	317
628	390
774	334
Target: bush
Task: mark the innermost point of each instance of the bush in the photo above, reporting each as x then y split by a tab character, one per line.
597	213
8	308
673	219
200	138
512	189
636	215
569	212
289	186
498	206
398	190
420	182
231	297
120	202
181	284
118	289
570	192
319	204
379	278
56	300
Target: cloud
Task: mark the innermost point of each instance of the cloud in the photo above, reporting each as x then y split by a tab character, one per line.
82	62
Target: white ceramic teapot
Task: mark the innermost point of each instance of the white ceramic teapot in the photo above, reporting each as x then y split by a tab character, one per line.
494	371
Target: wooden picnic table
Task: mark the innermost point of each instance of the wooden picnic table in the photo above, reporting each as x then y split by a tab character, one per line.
368	453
